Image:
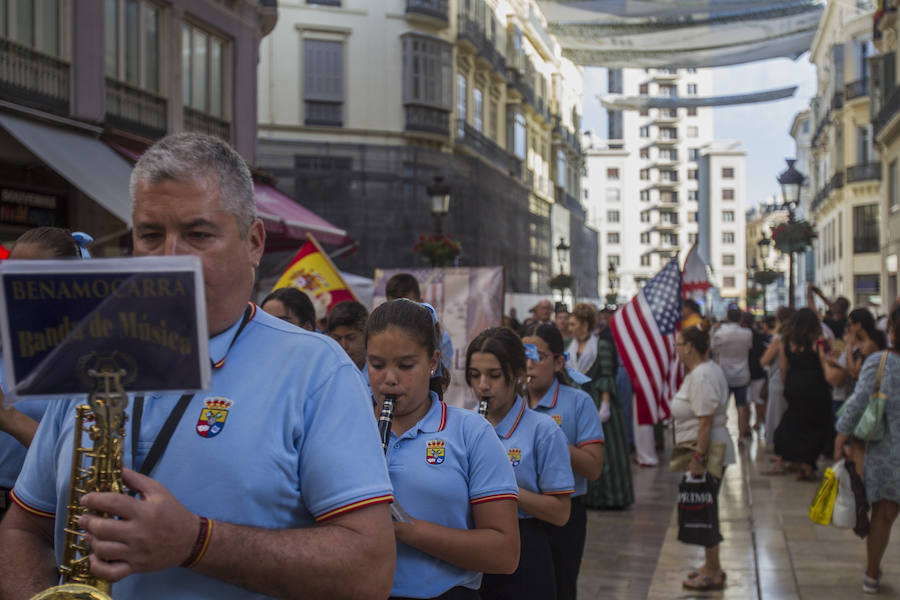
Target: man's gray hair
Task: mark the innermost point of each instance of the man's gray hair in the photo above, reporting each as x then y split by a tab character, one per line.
187	157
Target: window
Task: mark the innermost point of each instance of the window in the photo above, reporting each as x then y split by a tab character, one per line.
669	239
462	96
612	173
645	195
203	71
645	237
668	90
692	131
640	281
865	228
427	72
692	195
520	130
669	218
614	260
692	69
727	194
613	194
645	260
692	174
692	238
612	237
728	260
727	172
692	111
668	133
612	216
728	216
893	191
692	89
645	174
692	216
645	132
670	176
728	282
131	30
668	196
727	237
645	216
477	109
645	153
668	153
323	82
494	120
694	154
643	89
33	23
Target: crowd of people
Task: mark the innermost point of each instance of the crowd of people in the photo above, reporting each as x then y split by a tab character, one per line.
343	473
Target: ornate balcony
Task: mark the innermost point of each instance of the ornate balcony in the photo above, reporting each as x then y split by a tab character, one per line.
135	110
837	181
427	119
857	89
865	172
484	146
837	101
34	79
888	109
201	122
472	32
433	10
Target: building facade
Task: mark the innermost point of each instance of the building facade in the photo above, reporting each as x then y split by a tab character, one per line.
471	91
845	168
760	221
721	219
642	180
81	77
805	270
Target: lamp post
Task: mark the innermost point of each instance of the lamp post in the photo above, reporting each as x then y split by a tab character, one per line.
613	295
790	180
764	243
562	255
439	193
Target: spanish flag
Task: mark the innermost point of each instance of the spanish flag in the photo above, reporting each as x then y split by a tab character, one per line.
313	273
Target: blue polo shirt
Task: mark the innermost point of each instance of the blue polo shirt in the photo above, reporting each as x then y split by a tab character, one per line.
12	453
575	413
293	443
537	451
447	462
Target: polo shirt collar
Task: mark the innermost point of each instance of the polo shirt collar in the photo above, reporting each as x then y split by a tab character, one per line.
434	420
551	396
510	422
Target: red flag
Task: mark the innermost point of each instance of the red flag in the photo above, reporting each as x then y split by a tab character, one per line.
644	331
4	253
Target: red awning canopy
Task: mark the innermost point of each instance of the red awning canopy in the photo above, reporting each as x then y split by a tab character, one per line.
286	221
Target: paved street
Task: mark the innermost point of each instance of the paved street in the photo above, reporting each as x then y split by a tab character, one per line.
771	549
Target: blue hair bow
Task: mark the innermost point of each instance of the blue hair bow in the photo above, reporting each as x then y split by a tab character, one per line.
83	240
531	352
574	374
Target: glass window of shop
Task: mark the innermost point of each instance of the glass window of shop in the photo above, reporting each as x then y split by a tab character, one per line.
132	43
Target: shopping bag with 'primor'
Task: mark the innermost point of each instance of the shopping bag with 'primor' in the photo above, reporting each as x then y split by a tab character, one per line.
698	512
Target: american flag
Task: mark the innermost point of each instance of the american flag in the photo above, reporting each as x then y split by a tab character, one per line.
644	330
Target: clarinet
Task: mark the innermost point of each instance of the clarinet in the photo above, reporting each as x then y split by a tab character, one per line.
483	407
384	421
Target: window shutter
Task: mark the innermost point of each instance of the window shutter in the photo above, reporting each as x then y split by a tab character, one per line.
323	70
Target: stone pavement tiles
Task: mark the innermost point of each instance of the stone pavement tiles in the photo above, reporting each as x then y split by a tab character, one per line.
771	549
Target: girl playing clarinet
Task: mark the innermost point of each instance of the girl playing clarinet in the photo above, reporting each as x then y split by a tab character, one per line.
575	413
449	472
538	452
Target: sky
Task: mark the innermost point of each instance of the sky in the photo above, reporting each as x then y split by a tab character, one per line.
763	129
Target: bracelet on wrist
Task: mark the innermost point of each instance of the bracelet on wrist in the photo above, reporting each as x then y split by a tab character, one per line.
200	544
701	458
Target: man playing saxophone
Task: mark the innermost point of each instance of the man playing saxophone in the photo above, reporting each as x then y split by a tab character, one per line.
271	484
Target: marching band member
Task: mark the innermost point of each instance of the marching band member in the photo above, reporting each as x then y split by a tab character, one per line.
575	413
537	450
448	470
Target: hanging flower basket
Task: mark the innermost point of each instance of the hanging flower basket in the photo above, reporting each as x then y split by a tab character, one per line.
794	236
562	282
754	295
437	250
766	277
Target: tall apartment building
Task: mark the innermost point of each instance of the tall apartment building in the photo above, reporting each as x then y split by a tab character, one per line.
363	103
642	181
721	219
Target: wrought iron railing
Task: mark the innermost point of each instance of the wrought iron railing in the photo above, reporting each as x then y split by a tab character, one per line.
136	110
473	32
864	172
857	88
427	119
201	122
837	180
888	110
837	100
32	78
486	147
430	8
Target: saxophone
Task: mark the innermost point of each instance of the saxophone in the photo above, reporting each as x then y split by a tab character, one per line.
97	468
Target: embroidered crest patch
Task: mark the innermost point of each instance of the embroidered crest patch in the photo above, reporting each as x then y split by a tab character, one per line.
515	456
434	453
558	419
212	416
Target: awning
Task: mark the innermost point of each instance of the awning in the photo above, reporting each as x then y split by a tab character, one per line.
85	161
286	221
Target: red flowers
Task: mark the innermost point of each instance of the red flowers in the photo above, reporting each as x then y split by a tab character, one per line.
437	250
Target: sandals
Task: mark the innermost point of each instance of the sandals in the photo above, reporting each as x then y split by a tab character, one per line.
696	573
807	473
702	583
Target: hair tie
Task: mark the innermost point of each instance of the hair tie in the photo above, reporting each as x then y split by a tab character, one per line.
83	240
531	352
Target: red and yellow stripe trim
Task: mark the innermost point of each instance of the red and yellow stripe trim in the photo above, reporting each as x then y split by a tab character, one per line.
443	417
589	442
28	509
354	506
559	493
555	395
221	362
494	498
516	424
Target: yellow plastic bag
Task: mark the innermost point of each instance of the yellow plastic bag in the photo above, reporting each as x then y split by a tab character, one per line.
823	504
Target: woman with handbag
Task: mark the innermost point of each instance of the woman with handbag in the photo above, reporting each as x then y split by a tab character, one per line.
879	382
699	415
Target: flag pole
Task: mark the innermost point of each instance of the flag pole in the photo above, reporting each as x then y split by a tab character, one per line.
337	271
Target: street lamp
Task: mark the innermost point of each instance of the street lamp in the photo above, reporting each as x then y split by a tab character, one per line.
562	254
764	244
790	180
613	295
439	192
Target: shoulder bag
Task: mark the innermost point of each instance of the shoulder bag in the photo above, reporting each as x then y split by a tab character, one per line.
871	425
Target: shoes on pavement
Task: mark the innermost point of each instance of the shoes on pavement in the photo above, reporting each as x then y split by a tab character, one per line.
702	583
870	584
